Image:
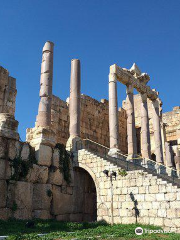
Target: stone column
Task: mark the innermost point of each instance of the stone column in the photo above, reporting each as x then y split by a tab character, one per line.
131	129
157	131
145	134
44	112
177	159
74	105
169	155
113	113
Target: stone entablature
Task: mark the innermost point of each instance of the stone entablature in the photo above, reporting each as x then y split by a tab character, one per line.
126	77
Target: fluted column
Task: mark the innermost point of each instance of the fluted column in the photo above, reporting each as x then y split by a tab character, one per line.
44	111
157	132
131	129
113	112
74	101
145	134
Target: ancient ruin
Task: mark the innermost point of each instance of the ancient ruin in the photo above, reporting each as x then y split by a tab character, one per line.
87	160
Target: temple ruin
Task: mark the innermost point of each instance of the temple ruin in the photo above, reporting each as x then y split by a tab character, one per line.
88	160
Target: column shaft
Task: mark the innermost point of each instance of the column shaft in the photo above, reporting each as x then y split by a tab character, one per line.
169	155
44	112
113	111
157	132
75	96
131	129
145	134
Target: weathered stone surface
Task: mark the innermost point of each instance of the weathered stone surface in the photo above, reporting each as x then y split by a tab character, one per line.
55	159
55	177
63	217
5	169
3	193
25	152
62	206
3	147
41	200
5	213
14	149
38	174
23	214
42	214
20	193
44	155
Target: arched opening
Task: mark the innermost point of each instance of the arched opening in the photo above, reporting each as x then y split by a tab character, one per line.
85	195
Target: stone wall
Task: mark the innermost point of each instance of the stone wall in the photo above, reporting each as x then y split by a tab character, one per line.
137	197
94	122
42	192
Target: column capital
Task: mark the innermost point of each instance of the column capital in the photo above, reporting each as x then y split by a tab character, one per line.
129	89
112	77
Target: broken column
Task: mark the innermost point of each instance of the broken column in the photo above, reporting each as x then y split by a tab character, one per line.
44	112
145	134
169	155
131	129
157	131
113	114
74	141
42	137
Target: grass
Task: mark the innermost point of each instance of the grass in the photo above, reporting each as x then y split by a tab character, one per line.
17	230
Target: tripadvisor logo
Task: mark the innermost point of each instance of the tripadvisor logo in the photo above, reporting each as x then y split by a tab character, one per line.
139	231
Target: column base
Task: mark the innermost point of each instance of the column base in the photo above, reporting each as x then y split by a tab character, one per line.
40	135
113	152
74	144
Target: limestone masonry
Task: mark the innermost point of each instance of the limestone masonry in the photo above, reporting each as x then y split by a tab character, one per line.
87	160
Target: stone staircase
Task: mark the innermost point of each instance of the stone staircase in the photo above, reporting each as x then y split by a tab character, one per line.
160	171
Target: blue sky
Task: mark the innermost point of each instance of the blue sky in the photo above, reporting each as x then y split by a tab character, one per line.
99	33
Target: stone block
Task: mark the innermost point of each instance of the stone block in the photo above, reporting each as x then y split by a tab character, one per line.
175	204
37	174
76	217
62	203
63	217
20	193
5	169
154	189
41	214
3	193
162	213
41	197
43	155
3	147
5	213
23	214
25	152
160	197
55	159
170	196
14	149
55	177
